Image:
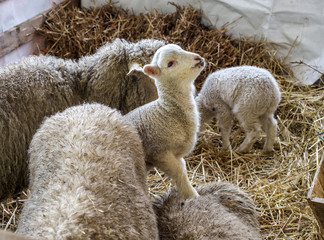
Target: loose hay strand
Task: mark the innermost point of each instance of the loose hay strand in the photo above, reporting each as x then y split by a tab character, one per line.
277	183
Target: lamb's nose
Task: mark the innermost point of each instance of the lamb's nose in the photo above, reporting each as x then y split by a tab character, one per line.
201	60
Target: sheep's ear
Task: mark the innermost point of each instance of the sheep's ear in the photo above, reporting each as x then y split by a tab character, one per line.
151	70
134	67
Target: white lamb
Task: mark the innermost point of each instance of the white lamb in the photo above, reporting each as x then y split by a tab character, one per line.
168	126
87	179
249	93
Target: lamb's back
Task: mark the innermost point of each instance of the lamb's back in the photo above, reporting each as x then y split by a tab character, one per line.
247	85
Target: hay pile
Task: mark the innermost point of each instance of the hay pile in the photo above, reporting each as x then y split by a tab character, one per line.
278	183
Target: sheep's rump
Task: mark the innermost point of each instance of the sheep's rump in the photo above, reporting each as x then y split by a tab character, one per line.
221	211
87	179
29	90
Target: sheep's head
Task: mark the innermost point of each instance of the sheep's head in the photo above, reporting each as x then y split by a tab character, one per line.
171	62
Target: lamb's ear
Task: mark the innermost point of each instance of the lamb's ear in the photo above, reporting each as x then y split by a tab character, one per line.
151	70
134	67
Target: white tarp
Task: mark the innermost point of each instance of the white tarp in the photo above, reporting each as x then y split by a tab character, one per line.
286	22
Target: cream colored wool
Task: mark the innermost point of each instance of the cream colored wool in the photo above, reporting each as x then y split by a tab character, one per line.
248	93
222	211
40	86
168	126
6	235
87	179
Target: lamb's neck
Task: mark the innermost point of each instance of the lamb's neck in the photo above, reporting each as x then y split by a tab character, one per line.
182	96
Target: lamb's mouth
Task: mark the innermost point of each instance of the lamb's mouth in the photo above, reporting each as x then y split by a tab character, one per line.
201	62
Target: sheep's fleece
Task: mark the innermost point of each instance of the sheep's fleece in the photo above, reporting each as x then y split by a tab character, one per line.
7	235
249	93
221	211
40	86
87	179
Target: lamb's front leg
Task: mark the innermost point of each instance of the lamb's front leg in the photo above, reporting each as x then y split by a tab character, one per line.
225	121
176	169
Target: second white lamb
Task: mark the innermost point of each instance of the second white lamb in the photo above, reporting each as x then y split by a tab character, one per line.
249	93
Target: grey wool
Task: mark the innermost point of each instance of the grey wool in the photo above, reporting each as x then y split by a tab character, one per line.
248	93
40	86
221	211
87	179
168	126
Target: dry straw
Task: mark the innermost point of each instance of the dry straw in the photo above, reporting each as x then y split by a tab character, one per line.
278	183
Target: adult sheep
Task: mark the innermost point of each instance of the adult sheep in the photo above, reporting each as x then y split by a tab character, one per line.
221	211
40	86
249	93
87	179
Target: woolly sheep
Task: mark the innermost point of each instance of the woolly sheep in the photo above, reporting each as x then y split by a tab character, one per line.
168	125
249	93
40	86
87	179
222	211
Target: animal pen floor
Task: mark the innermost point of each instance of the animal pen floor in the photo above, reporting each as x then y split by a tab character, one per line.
278	183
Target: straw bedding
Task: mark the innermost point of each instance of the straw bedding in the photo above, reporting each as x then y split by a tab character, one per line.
278	183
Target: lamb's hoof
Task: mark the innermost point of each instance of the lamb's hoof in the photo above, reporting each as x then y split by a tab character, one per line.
267	151
242	150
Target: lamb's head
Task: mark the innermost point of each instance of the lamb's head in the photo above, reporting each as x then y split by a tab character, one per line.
207	109
172	63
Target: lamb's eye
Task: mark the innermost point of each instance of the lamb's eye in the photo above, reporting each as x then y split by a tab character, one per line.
170	64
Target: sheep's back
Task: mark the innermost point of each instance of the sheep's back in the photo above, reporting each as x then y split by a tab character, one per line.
220	212
244	85
29	90
87	179
105	74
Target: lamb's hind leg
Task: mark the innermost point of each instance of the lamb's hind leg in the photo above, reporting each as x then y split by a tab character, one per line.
269	124
176	169
252	127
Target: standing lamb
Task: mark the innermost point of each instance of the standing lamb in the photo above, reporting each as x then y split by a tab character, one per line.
222	211
40	86
87	179
168	126
249	93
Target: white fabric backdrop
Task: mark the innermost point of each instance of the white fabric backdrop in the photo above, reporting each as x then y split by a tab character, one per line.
298	22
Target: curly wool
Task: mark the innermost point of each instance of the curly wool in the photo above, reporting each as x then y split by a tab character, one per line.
87	179
221	211
40	86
